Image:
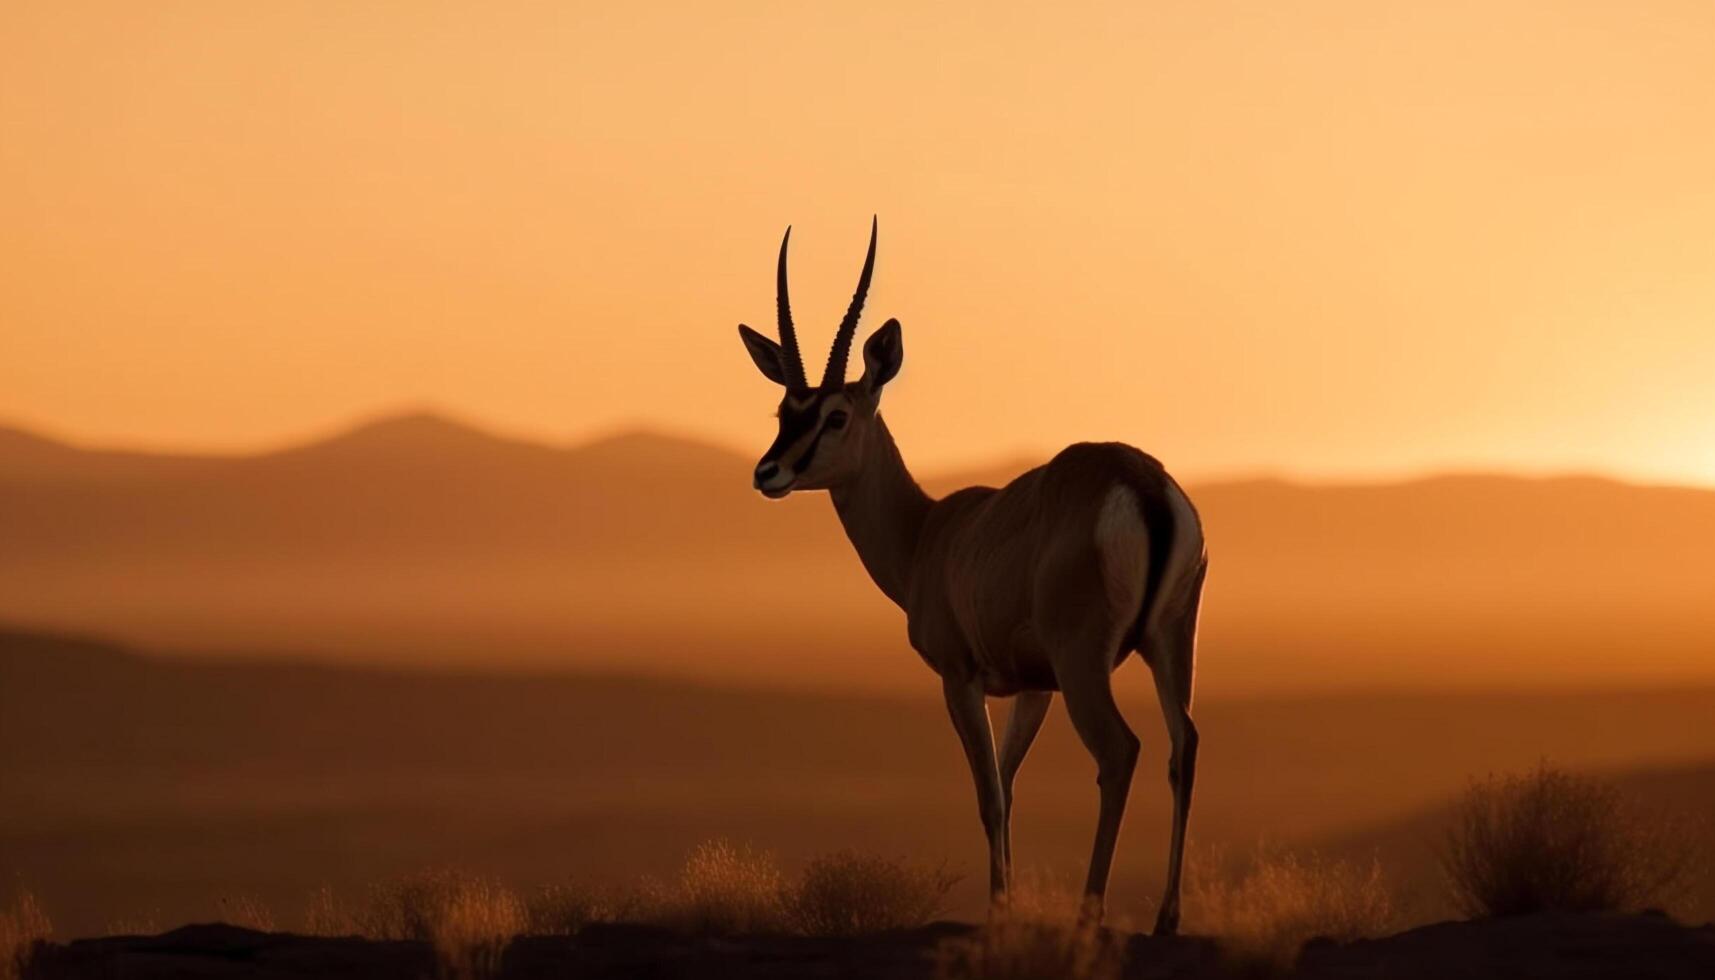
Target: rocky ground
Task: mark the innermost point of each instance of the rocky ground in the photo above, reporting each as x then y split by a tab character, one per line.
1585	947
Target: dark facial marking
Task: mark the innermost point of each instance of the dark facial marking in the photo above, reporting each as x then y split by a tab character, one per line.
796	420
810	451
798	415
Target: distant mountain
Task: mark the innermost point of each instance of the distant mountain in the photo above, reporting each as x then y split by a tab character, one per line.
419	482
419	538
25	456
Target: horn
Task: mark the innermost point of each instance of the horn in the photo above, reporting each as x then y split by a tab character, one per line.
788	336
835	375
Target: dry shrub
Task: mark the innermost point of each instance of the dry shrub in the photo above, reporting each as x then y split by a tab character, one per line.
723	889
468	919
327	915
1038	935
476	924
1262	913
728	889
1551	840
248	912
565	909
22	925
849	893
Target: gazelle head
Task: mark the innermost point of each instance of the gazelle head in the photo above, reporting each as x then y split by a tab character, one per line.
823	429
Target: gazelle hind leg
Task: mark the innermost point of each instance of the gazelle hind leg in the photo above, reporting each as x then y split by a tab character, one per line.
1029	708
1090	704
969	711
1173	651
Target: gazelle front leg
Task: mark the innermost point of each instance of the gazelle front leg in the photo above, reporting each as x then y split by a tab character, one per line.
970	713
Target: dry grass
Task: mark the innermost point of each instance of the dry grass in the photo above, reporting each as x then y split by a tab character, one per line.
468	919
565	909
22	925
1264	911
248	912
849	893
476	923
723	889
1551	840
326	915
729	889
1038	936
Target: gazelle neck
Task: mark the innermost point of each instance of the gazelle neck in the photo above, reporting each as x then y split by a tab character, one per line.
883	509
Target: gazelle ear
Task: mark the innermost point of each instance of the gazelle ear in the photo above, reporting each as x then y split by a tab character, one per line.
766	353
883	352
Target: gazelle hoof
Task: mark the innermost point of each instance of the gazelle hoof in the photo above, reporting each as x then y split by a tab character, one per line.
1167	923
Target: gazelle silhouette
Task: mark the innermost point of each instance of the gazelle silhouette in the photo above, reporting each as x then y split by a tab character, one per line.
1044	585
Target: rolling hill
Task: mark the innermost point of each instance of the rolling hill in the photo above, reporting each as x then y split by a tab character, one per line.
136	784
420	540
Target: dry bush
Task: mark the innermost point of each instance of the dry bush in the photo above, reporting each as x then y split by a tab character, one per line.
1551	840
418	906
475	926
468	919
327	915
1037	936
728	889
565	909
1037	896
1263	912
723	889
849	893
246	911
22	925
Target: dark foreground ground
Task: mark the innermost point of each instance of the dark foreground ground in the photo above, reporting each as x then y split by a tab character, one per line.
1637	947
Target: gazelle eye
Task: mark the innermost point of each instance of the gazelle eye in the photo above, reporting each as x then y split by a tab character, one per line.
836	419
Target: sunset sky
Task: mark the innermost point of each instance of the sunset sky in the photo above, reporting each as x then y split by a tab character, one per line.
1325	239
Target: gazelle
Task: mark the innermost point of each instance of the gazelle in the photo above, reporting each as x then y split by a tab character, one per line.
1044	585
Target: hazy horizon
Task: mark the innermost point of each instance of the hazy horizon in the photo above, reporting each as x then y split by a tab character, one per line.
999	462
423	540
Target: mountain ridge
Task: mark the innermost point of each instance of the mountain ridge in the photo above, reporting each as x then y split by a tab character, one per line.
420	538
428	430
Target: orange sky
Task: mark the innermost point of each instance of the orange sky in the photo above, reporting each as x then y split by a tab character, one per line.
1324	238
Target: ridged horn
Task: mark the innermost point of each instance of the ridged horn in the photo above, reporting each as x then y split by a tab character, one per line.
788	336
835	375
